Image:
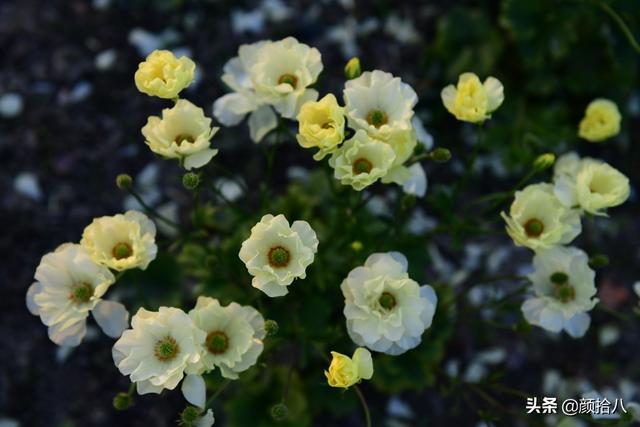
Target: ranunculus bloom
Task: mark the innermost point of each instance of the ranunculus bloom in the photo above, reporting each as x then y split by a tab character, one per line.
321	125
345	371
471	100
601	121
163	75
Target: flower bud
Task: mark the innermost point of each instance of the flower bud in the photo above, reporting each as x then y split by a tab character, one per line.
441	155
190	416
190	180
124	181
599	260
352	69
544	161
271	327
356	246
279	411
122	401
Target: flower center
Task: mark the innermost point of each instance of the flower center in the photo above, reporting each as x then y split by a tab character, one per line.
279	257
122	250
81	293
289	79
534	227
361	165
181	138
565	293
217	342
377	118
166	349
387	301
326	125
559	278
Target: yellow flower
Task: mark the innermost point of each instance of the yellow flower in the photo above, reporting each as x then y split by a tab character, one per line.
321	125
471	100
163	75
345	371
601	121
600	186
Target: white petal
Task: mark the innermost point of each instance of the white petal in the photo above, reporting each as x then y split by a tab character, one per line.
495	93
578	325
194	390
112	317
231	108
261	122
422	135
199	159
145	387
70	336
207	419
448	96
34	289
417	182
363	361
565	190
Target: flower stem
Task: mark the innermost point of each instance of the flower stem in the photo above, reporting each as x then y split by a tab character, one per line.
365	407
620	22
216	394
150	210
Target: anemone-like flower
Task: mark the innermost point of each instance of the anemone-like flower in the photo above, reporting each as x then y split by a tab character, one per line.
471	100
163	75
564	291
601	121
183	132
321	125
122	241
276	253
69	285
158	349
387	311
345	371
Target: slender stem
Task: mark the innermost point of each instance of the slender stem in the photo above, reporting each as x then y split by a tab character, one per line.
216	394
152	211
132	387
620	22
365	407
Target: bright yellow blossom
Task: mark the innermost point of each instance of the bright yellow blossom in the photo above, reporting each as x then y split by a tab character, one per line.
163	75
321	125
601	121
471	100
346	371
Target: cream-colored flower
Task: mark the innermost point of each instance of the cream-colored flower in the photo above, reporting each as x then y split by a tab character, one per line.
276	254
268	74
233	336
600	186
345	371
163	75
379	103
122	241
387	311
183	132
601	121
321	125
69	285
158	349
471	100
538	220
361	161
412	178
564	291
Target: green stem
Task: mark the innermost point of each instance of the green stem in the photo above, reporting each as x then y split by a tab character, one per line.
365	407
216	394
152	211
132	387
620	22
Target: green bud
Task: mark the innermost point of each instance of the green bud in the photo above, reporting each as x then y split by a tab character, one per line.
190	180
124	181
271	327
279	412
441	155
190	416
352	69
544	161
599	260
122	401
356	246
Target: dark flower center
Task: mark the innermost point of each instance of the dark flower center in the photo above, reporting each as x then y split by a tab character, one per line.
122	250
534	227
377	118
81	293
387	301
289	79
166	349
279	257
217	342
361	165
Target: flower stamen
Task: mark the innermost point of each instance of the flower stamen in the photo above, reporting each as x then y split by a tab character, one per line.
217	342
387	301
377	118
122	250
81	293
361	165
289	79
279	257
166	349
534	227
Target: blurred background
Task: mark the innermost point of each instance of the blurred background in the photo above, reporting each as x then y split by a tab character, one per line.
70	119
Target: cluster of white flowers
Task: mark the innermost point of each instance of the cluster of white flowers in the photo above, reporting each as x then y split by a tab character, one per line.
543	217
71	281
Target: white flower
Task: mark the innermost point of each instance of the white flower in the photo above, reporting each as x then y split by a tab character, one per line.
158	349
268	73
276	254
121	241
386	311
564	290
379	103
538	220
207	420
183	132
233	336
69	285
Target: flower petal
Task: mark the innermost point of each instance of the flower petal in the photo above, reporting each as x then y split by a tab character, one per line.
112	317
231	108
261	122
417	182
194	390
199	159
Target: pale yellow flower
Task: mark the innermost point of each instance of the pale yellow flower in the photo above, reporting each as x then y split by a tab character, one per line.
471	100
600	186
163	75
346	371
321	125
601	121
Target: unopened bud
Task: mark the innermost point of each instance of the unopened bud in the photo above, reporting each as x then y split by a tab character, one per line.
352	69
356	246
441	155
124	181
544	161
190	416
279	411
190	180
271	327
122	401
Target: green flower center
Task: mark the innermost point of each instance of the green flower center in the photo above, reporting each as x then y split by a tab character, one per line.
559	278
166	349
289	79
377	118
81	293
122	250
534	227
361	165
565	293
217	342
279	257
387	301
179	139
